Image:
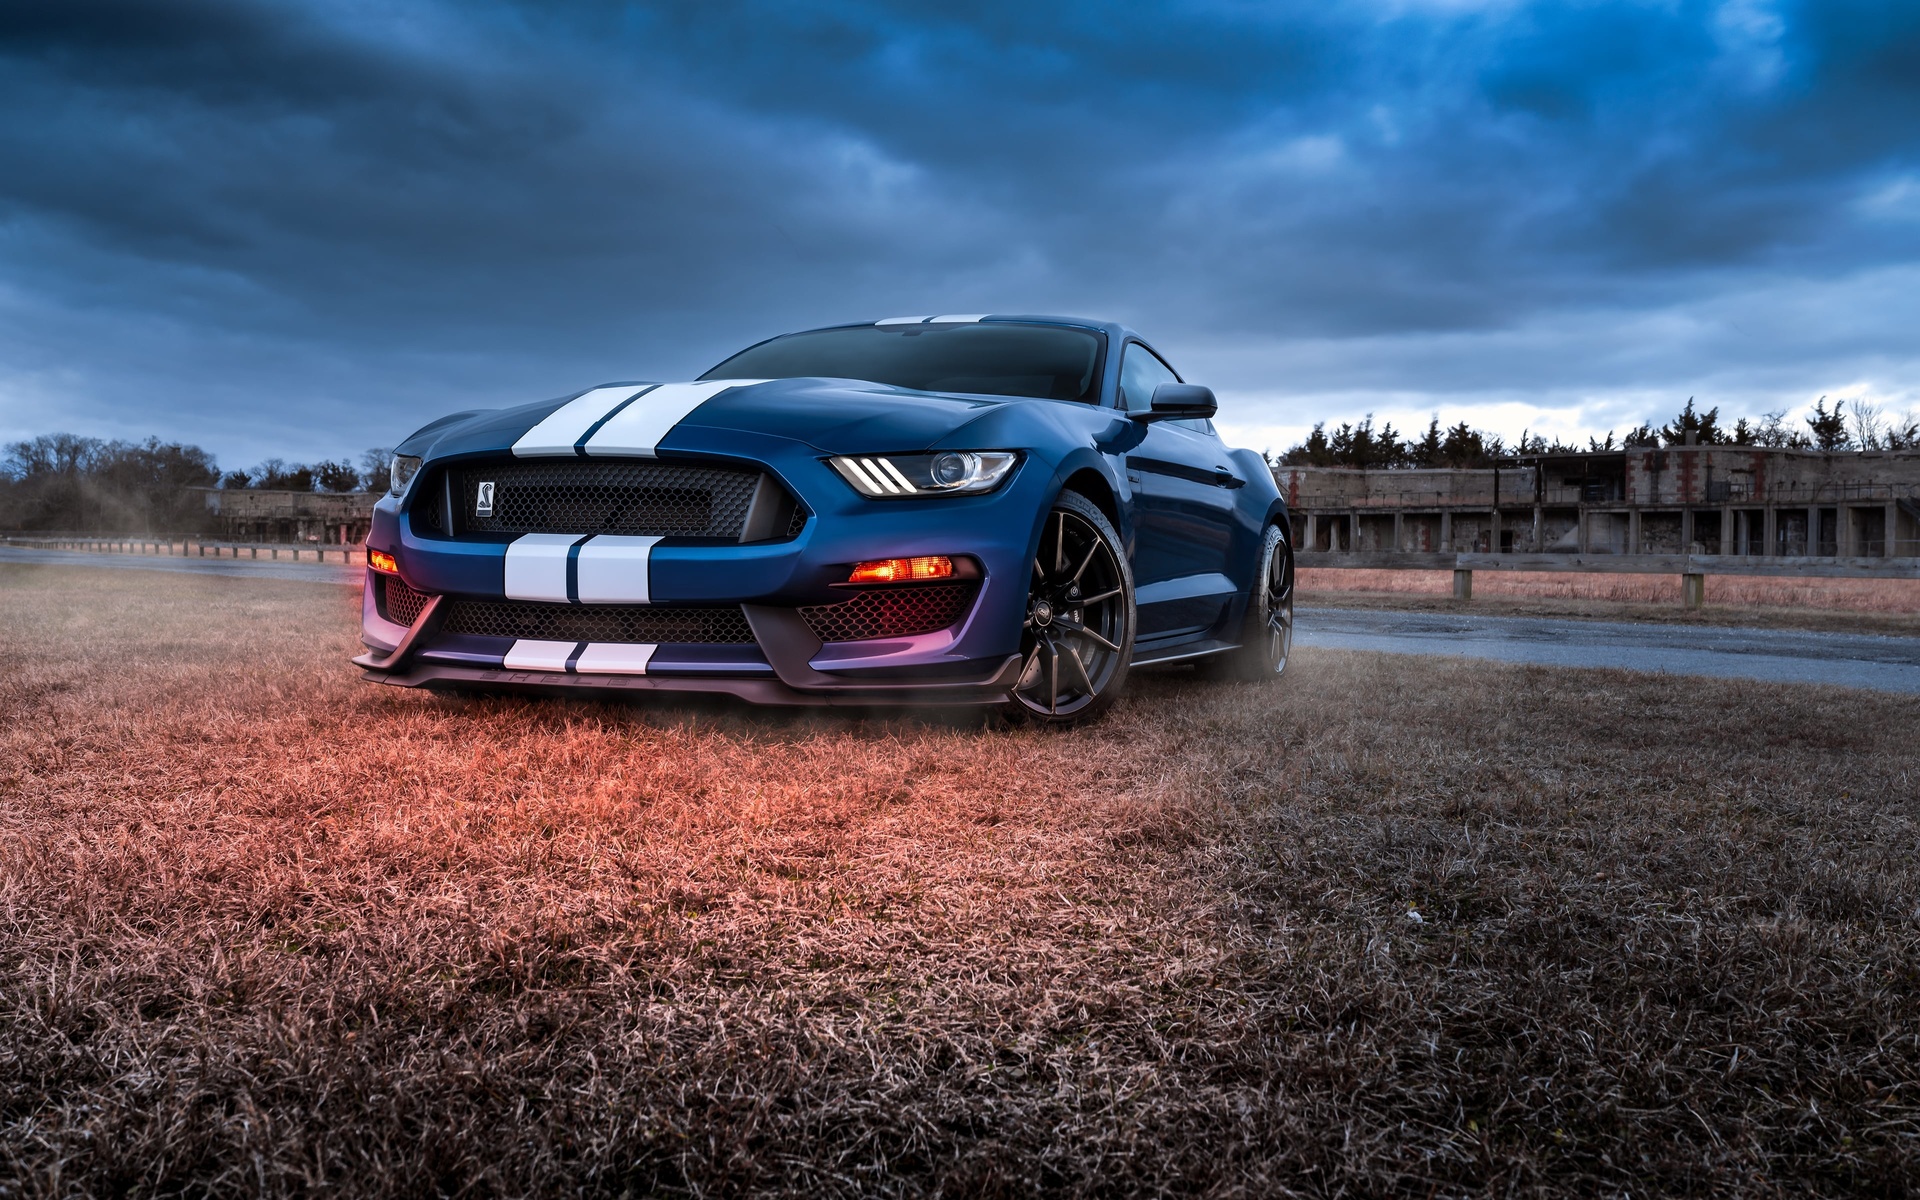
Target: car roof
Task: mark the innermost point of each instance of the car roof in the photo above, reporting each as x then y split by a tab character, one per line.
1110	328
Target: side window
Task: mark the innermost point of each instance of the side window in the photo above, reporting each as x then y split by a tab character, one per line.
1140	373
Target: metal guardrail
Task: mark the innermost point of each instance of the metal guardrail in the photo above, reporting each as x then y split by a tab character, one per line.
194	547
1623	564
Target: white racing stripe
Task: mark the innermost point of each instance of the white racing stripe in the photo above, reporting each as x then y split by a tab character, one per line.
639	427
528	655
569	423
537	566
613	570
615	658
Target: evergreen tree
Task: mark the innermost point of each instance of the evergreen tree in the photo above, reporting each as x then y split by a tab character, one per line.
1316	451
1704	426
1426	451
1829	428
1467	447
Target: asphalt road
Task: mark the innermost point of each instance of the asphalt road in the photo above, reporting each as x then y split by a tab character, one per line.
1770	655
333	572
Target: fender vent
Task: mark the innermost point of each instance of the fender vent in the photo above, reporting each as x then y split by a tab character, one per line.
890	612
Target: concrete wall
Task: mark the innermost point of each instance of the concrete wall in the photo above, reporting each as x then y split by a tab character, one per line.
1737	474
255	515
1721	499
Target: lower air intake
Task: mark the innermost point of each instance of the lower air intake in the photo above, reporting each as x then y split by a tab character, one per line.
536	621
396	601
890	612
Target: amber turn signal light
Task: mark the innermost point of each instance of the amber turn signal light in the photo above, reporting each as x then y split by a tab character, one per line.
380	560
901	570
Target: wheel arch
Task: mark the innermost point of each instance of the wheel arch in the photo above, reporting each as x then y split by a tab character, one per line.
1094	486
1279	514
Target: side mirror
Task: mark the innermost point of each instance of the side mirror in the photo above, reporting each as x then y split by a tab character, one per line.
1180	402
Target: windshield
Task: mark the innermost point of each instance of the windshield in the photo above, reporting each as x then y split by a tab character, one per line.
1052	362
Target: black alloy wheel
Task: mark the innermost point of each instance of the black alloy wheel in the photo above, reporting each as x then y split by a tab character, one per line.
1266	640
1077	641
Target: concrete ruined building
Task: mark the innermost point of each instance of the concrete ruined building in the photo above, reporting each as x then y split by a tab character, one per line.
259	515
1712	500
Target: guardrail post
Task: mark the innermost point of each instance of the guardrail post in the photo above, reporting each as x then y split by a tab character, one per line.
1462	584
1693	590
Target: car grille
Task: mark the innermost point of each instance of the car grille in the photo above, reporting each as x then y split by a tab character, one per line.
637	497
596	622
396	601
890	612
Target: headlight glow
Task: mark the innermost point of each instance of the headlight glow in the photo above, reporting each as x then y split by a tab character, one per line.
401	473
947	473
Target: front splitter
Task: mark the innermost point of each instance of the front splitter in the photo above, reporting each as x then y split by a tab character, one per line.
850	694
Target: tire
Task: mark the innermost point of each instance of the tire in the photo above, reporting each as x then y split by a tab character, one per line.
1266	638
1076	643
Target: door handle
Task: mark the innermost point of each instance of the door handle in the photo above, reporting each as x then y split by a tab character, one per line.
1226	479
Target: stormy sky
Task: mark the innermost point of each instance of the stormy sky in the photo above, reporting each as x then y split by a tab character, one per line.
301	229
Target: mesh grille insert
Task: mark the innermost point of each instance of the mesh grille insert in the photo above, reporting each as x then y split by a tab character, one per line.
396	601
639	497
596	622
890	612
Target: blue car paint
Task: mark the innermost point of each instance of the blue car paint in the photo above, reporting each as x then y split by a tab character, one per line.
789	428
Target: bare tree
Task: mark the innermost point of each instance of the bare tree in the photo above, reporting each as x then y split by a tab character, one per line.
1869	426
373	468
1773	431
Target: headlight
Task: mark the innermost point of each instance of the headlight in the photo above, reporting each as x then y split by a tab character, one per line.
948	473
401	473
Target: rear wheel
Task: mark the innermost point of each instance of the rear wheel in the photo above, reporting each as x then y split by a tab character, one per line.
1077	639
1266	639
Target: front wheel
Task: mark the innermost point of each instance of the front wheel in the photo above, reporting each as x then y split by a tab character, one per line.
1266	640
1077	640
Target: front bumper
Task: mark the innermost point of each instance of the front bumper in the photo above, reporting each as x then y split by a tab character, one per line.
972	661
782	665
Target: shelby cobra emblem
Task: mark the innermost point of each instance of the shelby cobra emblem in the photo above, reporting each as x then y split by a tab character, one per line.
994	510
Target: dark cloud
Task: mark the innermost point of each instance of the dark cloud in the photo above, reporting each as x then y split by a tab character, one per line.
290	229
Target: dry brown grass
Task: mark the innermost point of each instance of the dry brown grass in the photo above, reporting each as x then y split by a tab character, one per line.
266	929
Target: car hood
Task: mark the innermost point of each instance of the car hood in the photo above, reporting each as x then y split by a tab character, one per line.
835	416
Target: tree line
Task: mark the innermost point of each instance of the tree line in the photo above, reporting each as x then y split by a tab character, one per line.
1848	425
60	481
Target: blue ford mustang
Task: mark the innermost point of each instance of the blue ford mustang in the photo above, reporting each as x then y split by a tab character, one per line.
956	510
